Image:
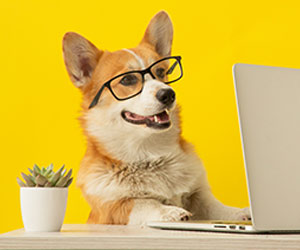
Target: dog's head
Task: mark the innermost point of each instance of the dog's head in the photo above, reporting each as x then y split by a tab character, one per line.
151	108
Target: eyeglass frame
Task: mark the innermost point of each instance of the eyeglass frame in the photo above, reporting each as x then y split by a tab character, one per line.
143	72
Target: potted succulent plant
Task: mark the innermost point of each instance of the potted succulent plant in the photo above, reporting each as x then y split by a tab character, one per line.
44	196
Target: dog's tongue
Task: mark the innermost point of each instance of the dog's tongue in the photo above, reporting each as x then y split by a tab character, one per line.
135	116
161	117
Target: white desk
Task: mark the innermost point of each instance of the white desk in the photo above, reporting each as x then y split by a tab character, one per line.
131	237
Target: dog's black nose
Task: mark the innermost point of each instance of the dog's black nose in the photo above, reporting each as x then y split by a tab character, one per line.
166	96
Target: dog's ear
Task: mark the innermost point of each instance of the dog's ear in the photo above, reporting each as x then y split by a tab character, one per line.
81	58
159	33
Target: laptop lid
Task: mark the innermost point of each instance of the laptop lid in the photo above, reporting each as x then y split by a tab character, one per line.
268	101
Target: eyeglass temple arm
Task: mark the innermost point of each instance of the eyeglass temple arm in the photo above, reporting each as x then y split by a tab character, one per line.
96	98
170	70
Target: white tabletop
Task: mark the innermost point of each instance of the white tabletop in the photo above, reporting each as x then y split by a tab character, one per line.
77	236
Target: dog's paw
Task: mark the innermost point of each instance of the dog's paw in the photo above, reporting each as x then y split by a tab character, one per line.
242	214
172	213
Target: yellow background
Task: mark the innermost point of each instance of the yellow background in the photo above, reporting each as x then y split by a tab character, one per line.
40	106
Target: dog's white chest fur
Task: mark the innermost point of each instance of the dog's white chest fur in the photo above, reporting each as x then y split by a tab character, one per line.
166	178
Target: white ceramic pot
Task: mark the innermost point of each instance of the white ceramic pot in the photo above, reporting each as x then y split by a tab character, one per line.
43	209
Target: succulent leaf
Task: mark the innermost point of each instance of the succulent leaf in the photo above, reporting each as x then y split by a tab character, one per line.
33	173
43	171
56	176
41	180
48	184
29	182
63	181
21	183
48	171
36	169
69	182
32	178
50	166
69	173
63	172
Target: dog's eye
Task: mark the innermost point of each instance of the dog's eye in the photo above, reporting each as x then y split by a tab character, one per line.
129	80
160	72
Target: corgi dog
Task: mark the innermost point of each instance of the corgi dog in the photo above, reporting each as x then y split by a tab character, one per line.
137	167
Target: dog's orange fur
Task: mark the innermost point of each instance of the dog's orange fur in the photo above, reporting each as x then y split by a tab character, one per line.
101	213
116	212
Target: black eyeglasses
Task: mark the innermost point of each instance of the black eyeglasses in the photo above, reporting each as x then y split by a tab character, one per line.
130	84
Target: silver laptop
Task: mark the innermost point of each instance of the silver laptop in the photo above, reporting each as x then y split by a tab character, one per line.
268	103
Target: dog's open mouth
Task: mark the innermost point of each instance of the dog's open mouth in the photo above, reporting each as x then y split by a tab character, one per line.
158	121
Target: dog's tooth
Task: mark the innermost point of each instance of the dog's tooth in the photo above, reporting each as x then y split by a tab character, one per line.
155	118
167	111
